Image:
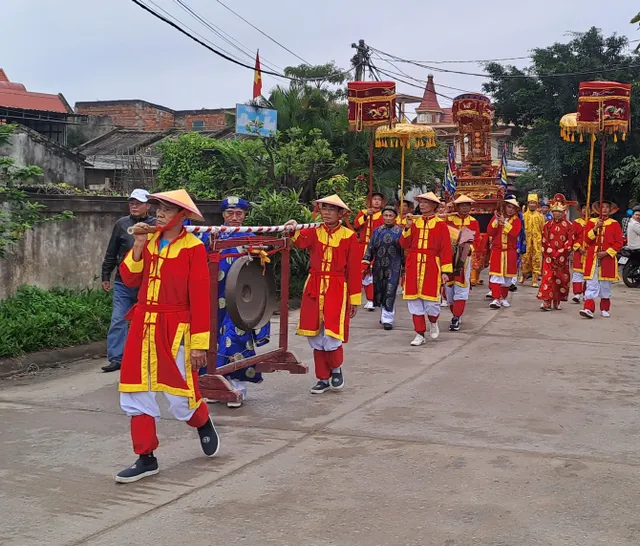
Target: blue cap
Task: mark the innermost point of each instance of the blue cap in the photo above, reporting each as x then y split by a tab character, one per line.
544	204
629	212
235	203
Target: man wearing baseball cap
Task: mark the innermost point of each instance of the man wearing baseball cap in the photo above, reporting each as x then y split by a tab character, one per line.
123	298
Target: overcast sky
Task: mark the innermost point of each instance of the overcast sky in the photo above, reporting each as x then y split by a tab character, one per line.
112	49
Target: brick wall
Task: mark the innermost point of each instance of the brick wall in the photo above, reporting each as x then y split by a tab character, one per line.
130	114
211	120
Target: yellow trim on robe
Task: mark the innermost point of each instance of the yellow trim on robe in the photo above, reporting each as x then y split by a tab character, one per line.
343	313
132	265
200	341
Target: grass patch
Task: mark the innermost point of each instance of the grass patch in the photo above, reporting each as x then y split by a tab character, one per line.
35	319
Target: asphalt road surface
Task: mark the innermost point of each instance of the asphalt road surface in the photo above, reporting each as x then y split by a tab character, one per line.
520	429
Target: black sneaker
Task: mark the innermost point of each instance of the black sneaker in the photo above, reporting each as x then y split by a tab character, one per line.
337	380
146	465
320	387
387	326
513	288
111	367
455	324
209	438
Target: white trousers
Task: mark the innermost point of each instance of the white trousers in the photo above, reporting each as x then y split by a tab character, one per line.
502	281
239	385
456	292
424	307
321	342
576	276
514	280
597	289
387	316
367	280
138	403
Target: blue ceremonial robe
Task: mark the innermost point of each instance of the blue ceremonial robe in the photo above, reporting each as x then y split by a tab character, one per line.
385	254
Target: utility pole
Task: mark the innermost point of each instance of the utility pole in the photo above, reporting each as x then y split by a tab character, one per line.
361	59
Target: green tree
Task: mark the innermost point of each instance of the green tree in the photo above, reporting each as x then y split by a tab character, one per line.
534	102
17	213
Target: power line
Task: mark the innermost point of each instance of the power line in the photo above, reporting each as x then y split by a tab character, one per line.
242	48
224	55
513	76
262	32
411	84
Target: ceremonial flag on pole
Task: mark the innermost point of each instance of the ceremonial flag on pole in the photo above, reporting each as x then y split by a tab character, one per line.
504	180
257	78
450	181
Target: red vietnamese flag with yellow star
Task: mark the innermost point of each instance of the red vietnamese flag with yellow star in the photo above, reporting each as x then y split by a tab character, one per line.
257	78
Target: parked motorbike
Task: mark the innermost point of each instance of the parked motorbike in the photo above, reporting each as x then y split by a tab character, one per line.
630	262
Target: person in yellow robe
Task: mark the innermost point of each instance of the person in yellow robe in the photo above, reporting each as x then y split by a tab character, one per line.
534	222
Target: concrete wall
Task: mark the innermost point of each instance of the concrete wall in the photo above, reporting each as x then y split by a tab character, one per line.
70	253
58	163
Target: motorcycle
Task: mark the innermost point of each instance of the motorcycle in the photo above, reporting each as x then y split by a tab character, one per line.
630	262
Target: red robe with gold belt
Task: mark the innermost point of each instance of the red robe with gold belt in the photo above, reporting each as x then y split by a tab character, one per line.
557	241
428	255
365	226
608	239
578	239
504	246
334	282
172	309
458	222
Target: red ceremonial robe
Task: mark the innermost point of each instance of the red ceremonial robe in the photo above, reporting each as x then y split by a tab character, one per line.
557	241
172	309
504	246
428	256
578	239
334	282
458	222
365	227
608	239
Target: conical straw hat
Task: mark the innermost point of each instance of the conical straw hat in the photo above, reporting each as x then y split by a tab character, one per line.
180	198
333	200
429	196
463	199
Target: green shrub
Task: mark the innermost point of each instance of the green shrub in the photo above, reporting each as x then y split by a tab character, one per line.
35	319
274	209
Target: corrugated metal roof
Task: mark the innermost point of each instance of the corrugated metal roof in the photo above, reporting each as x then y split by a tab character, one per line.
15	95
122	141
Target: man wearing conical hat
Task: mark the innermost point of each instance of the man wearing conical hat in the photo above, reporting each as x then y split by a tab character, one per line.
579	249
429	256
531	261
459	285
604	240
332	292
169	333
503	263
557	242
365	223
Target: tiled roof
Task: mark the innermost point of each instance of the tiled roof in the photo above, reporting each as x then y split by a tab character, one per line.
15	95
429	99
121	141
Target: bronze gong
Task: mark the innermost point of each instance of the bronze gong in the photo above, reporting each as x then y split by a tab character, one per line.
250	295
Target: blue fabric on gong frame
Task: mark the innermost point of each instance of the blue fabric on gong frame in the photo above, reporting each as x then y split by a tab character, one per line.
234	343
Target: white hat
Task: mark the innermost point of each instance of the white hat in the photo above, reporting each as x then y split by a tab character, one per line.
140	195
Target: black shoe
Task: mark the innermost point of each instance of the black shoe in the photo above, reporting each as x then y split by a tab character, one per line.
320	387
513	288
209	438
146	465
455	324
387	326
337	380
111	367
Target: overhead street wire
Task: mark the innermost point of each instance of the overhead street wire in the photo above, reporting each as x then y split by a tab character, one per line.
262	32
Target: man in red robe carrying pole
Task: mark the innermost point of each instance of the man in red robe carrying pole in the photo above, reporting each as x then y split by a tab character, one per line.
503	264
365	223
169	333
332	292
557	241
604	240
429	258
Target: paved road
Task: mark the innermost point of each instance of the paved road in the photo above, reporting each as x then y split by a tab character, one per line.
521	429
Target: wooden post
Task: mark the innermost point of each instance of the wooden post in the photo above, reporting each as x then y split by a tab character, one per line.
602	154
